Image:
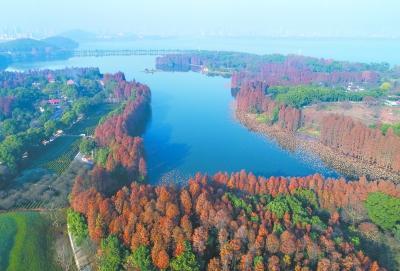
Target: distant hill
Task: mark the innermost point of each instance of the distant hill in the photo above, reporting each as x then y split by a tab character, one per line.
22	45
61	42
79	35
27	50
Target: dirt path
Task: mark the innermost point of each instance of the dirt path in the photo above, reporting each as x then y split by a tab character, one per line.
82	260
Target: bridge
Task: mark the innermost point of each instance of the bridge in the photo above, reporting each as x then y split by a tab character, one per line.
128	52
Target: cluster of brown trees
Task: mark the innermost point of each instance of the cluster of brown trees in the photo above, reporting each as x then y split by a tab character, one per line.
123	148
285	74
276	69
341	133
122	89
6	105
332	193
353	138
232	223
252	97
137	97
300	70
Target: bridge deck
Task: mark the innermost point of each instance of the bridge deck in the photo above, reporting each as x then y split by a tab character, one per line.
129	52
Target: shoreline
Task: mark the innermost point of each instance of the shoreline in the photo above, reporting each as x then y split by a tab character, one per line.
348	166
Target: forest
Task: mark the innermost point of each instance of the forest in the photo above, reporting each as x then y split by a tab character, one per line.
119	153
242	222
235	221
278	70
34	105
355	139
373	145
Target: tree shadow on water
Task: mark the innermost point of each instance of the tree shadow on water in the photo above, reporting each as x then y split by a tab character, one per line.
162	155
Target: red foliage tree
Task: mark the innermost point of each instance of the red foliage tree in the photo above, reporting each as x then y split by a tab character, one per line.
359	141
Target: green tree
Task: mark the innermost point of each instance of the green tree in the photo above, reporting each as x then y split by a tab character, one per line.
68	117
81	106
86	146
50	127
110	257
279	206
307	197
70	91
88	86
10	151
140	259
275	114
186	261
101	156
258	260
77	226
385	86
383	210
9	127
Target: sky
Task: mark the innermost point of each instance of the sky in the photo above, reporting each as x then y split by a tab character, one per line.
332	18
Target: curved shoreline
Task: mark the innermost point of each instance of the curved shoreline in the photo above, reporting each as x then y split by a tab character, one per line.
349	166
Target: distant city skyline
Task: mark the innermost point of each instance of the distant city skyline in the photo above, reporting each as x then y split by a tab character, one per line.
284	18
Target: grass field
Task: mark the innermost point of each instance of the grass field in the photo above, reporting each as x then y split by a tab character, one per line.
62	162
48	155
88	124
57	155
26	242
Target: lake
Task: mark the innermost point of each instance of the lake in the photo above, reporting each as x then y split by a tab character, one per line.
192	127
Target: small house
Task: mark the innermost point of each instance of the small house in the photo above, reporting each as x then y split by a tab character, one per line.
392	103
54	101
70	82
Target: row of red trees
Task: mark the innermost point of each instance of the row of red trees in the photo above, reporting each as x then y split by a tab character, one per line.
252	98
332	193
222	234
126	156
341	133
280	75
276	69
353	138
297	70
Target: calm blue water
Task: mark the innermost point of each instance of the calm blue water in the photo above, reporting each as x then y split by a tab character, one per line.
192	127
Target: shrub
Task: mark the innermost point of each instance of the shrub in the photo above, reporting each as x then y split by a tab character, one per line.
77	226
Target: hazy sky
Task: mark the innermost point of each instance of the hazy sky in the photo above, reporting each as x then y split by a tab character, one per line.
195	17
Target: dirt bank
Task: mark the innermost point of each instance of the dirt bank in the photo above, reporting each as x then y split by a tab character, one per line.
348	166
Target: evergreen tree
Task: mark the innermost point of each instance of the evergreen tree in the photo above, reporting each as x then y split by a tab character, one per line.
186	261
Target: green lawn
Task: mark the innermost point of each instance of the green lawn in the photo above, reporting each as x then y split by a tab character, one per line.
58	154
93	116
54	151
25	242
7	232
